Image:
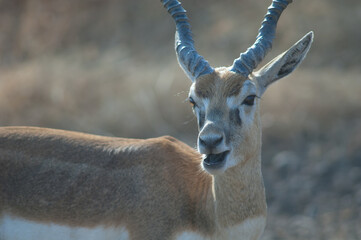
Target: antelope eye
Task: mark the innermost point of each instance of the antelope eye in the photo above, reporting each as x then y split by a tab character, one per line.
249	101
192	102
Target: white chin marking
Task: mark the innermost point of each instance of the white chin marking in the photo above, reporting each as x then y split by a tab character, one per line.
20	229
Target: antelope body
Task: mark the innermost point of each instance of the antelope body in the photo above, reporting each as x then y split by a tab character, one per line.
95	187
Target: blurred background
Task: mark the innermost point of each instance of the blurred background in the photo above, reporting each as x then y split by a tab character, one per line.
108	67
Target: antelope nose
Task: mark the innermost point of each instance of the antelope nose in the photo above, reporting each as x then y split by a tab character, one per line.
210	142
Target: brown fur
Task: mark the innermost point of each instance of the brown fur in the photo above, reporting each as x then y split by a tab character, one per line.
248	197
220	82
84	180
79	179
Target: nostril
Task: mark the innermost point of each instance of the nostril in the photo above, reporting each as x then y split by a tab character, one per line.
211	142
202	142
217	141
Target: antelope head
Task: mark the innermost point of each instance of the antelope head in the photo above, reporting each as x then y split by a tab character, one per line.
225	100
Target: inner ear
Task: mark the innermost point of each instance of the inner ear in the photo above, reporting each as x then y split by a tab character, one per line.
292	59
284	63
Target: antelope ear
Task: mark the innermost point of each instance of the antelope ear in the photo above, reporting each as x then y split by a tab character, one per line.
284	63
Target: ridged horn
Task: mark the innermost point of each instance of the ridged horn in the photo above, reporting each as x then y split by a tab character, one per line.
249	60
192	63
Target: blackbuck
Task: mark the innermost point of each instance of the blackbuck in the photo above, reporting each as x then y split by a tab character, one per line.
70	185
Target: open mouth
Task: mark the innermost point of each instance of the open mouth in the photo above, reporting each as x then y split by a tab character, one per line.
215	160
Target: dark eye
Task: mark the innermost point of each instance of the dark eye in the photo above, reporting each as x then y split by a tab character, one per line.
249	101
192	102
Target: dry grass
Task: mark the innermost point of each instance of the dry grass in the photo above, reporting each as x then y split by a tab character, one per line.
108	67
312	152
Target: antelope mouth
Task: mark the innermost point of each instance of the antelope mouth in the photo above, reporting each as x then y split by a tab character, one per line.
215	161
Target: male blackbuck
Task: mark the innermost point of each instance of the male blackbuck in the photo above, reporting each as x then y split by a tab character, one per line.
65	184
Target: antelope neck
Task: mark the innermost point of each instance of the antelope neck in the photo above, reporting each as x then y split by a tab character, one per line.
239	193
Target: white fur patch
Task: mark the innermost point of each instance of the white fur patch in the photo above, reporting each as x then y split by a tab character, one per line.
190	236
20	229
250	229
